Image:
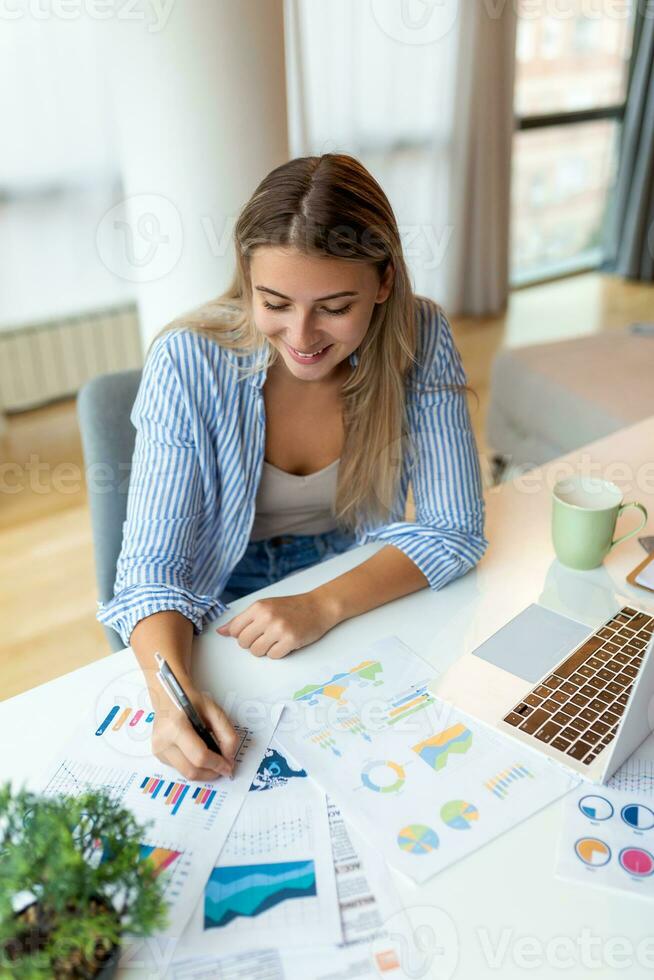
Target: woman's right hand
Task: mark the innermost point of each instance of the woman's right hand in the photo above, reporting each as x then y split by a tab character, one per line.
175	743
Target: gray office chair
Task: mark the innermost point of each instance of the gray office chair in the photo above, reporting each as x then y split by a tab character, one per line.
103	409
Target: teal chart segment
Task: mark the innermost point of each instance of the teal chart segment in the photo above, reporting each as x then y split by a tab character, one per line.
249	890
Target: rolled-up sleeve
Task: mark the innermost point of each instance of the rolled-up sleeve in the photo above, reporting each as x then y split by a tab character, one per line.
154	569
447	537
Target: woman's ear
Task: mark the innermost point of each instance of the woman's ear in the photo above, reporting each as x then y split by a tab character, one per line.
386	284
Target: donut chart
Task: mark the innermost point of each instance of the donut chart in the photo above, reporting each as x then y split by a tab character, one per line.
593	852
636	861
459	815
638	816
382	776
417	839
596	807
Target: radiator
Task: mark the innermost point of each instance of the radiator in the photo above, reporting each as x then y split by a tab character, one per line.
42	362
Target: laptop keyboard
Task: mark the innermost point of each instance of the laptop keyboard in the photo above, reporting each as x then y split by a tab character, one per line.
577	709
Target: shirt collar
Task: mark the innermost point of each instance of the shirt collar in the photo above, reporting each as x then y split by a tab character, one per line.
259	376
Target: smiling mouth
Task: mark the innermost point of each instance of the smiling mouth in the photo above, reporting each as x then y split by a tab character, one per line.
301	353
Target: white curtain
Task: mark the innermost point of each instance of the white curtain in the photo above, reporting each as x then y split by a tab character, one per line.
421	92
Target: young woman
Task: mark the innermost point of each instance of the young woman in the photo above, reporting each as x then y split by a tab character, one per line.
281	424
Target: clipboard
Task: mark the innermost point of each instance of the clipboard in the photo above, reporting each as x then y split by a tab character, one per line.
632	576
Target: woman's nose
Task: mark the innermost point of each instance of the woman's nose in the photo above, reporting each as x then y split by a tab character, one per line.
302	332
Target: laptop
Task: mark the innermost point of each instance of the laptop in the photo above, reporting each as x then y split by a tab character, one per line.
589	709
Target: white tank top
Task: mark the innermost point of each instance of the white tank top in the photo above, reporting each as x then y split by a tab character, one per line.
291	504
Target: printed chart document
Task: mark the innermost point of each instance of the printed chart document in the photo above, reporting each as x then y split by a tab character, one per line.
189	821
274	882
367	903
607	838
424	782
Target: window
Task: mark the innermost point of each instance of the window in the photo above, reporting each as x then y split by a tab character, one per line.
571	72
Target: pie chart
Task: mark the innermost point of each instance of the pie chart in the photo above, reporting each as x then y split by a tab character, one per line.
417	839
596	807
459	815
638	816
593	852
636	861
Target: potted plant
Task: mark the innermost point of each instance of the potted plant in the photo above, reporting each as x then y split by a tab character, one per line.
72	884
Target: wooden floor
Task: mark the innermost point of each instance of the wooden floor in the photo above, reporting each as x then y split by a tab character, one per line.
47	584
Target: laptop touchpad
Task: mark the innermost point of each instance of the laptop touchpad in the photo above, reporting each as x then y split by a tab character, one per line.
533	642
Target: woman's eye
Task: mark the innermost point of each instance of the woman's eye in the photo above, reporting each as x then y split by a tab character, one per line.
343	309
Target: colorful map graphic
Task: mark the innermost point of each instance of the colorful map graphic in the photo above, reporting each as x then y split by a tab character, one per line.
364	674
274	770
249	890
593	852
436	749
417	839
383	777
459	815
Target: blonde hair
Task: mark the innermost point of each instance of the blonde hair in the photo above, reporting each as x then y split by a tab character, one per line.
330	205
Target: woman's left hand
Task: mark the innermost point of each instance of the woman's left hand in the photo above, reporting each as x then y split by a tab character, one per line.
275	627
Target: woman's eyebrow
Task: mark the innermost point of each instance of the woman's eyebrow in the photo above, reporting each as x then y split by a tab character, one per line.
266	289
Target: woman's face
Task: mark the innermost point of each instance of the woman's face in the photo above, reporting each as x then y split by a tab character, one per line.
319	307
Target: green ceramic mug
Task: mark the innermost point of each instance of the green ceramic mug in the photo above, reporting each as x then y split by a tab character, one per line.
585	511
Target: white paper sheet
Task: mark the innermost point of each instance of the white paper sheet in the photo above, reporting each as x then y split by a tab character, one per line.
607	839
424	782
188	821
274	883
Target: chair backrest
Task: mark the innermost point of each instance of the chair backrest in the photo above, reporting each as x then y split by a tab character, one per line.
103	409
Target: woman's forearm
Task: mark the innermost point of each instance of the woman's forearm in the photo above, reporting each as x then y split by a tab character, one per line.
168	633
389	574
173	740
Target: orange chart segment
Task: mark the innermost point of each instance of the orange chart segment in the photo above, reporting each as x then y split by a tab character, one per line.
593	852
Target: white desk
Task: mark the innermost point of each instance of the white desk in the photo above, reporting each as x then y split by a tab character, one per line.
510	914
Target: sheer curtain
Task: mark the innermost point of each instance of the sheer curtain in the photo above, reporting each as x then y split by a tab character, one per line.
421	92
629	235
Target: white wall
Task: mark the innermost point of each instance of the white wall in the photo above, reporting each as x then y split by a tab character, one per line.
55	111
200	109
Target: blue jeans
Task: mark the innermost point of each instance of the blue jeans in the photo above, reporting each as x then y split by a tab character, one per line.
268	561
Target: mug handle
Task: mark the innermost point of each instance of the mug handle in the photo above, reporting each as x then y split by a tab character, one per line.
630	534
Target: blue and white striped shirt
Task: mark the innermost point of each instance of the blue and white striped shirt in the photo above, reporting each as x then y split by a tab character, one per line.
197	463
